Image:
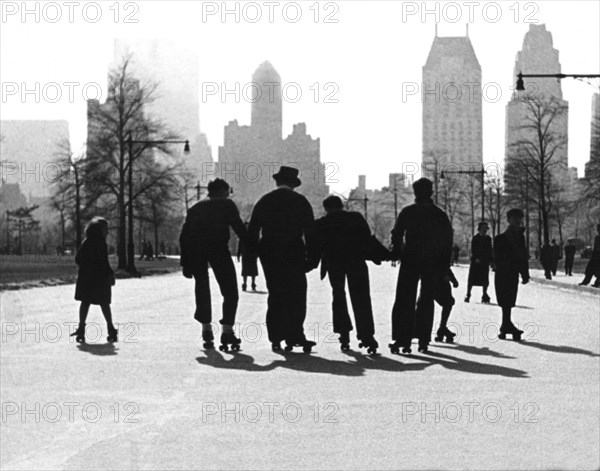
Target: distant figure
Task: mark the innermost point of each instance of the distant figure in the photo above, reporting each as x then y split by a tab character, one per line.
593	266
510	258
344	238
204	242
570	250
443	296
144	250
482	257
249	263
163	250
426	253
546	260
555	256
455	254
95	278
149	251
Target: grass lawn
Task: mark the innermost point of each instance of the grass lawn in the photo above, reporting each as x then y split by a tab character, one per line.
18	269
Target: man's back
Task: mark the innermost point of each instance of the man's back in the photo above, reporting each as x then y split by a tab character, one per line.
343	235
282	217
427	232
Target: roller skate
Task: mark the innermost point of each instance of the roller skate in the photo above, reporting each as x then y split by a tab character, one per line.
306	345
510	330
244	287
396	346
370	344
423	346
79	334
208	339
253	287
113	335
276	346
229	339
485	299
345	341
467	298
444	332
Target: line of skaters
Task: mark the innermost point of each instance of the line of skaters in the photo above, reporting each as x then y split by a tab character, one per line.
284	235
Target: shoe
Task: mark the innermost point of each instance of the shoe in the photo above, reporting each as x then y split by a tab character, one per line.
345	341
485	299
244	287
253	287
467	298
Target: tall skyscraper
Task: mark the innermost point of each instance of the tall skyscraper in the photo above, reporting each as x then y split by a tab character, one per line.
537	56
593	166
251	154
452	104
177	103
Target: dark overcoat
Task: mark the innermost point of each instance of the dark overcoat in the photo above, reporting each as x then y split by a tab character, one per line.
481	249
95	277
510	258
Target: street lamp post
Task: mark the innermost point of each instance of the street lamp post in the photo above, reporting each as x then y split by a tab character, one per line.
130	141
7	232
521	84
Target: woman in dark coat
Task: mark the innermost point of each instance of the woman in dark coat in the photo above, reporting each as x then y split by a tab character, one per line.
95	278
593	266
510	256
249	263
482	257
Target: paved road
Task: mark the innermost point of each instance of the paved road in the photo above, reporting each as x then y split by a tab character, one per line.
156	400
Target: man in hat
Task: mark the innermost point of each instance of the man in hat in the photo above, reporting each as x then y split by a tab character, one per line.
510	257
204	241
425	255
344	238
282	218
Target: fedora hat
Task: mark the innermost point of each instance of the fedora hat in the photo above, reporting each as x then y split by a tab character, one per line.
288	175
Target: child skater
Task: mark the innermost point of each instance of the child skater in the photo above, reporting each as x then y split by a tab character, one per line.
95	277
442	295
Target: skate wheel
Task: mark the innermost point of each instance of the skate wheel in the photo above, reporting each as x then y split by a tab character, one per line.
208	345
80	340
223	348
288	348
439	339
449	339
345	348
502	336
235	348
406	350
306	349
371	351
517	337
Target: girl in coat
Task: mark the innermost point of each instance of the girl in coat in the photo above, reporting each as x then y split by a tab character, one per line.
95	278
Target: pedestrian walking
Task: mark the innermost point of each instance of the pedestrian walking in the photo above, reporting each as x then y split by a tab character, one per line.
570	251
593	266
95	278
249	261
482	256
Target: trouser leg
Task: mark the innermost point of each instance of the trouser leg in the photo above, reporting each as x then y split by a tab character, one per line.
339	305
202	291
226	277
276	318
360	296
403	311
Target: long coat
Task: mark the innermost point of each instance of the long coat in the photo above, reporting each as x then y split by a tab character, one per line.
95	277
249	260
593	266
479	271
510	256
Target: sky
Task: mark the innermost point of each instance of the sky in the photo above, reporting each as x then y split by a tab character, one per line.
362	57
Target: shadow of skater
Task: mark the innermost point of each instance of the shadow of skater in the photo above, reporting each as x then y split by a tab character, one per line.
257	292
560	349
314	364
382	363
238	361
476	351
101	349
468	366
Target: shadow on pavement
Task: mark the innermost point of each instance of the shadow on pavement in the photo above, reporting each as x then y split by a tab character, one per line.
475	350
311	363
560	349
101	349
468	366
